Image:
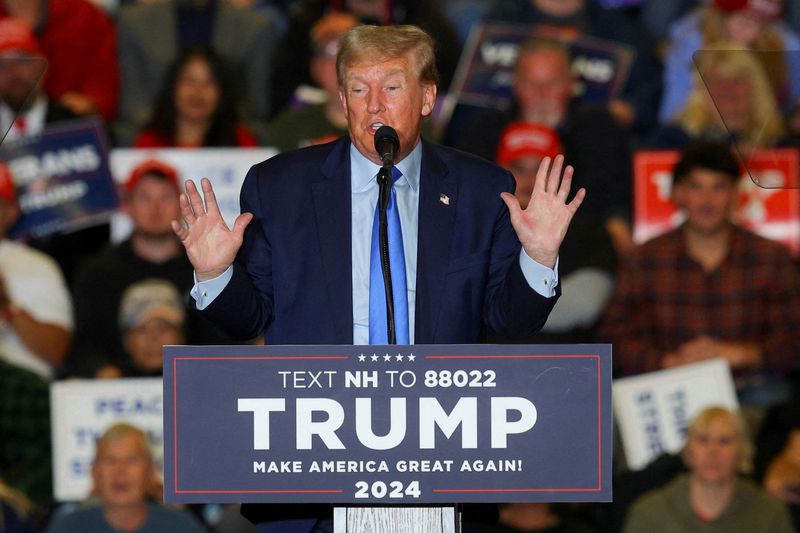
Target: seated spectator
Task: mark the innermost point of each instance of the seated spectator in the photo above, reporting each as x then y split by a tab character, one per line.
575	18
587	259
196	107
153	35
35	305
708	289
318	122
21	94
153	251
543	89
731	102
25	447
151	315
753	24
711	496
125	485
80	43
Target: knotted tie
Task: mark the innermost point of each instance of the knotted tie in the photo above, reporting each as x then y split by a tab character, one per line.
377	292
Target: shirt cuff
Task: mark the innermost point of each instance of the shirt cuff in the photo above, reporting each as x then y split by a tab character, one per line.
205	292
540	278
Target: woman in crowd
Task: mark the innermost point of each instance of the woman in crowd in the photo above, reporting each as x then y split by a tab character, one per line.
196	107
753	24
711	496
731	101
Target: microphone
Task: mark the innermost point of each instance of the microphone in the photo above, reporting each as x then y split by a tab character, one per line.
387	144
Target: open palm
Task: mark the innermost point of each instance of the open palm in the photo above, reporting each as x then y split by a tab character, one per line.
542	225
210	245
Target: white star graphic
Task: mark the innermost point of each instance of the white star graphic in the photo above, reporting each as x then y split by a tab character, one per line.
362	358
399	357
387	357
412	357
374	357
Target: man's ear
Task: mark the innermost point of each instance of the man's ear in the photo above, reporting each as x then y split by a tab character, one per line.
428	98
343	99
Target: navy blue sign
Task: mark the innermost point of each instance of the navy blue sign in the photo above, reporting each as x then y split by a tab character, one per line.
486	69
387	424
62	178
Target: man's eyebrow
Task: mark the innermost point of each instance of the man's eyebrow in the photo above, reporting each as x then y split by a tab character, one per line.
394	72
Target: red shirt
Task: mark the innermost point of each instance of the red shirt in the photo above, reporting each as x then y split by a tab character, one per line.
154	139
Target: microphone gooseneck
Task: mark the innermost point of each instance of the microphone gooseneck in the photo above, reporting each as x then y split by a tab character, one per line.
387	145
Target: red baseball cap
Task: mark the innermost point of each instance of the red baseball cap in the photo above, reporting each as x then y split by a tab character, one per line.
152	167
768	9
15	35
7	190
521	139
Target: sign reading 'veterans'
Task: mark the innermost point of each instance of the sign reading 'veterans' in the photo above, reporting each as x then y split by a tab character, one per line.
387	424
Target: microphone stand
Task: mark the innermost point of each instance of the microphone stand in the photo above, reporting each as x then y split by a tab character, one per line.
384	190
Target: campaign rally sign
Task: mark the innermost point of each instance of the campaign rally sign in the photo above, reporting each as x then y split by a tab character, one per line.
224	167
82	410
486	67
769	205
654	410
62	178
387	424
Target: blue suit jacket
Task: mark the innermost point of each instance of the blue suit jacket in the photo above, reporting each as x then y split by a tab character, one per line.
292	279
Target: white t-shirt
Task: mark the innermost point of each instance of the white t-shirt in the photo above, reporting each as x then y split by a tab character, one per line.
34	283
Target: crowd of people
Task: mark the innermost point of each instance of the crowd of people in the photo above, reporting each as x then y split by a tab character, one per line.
713	80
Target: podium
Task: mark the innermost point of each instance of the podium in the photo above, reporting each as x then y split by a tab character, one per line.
381	432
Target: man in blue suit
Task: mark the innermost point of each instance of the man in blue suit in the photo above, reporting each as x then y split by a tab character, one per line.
295	267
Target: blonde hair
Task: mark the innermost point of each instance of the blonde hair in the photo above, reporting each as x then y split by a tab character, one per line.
375	44
764	125
711	414
712	26
121	430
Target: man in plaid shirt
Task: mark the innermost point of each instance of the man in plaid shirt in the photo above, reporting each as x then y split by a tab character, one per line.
708	288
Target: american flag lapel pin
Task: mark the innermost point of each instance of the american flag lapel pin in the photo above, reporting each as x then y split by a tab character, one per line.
444	199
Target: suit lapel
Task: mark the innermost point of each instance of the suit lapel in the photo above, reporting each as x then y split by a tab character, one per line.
438	200
332	200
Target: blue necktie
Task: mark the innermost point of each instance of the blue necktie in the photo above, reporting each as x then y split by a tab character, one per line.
377	292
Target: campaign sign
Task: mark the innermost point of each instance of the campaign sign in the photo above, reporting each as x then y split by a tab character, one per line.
411	424
224	167
768	203
653	410
62	178
82	409
486	66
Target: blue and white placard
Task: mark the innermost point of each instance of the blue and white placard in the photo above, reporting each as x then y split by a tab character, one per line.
387	424
654	410
82	409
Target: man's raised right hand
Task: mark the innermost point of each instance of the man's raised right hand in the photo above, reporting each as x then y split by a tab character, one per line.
210	245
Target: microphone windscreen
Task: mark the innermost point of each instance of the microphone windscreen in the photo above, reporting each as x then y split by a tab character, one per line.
386	134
